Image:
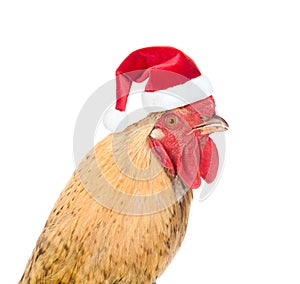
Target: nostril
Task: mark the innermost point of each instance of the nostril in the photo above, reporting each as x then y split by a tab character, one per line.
204	118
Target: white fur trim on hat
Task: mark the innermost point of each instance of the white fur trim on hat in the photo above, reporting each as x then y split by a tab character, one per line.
180	95
177	96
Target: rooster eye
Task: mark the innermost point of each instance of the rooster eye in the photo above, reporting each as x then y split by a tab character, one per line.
171	120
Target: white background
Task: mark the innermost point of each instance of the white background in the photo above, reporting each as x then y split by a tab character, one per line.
53	56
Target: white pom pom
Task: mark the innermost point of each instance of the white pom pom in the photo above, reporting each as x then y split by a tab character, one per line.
114	120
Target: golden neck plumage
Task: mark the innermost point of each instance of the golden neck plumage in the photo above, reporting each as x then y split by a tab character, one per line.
112	225
135	182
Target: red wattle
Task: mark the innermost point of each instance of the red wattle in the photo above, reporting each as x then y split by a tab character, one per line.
210	161
188	165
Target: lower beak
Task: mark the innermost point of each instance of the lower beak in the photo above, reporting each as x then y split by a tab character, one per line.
212	125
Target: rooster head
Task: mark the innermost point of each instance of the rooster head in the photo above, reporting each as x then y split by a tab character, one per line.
180	140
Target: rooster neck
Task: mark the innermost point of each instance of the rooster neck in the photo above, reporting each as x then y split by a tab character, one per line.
135	181
91	234
133	146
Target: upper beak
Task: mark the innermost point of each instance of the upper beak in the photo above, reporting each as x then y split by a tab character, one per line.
211	125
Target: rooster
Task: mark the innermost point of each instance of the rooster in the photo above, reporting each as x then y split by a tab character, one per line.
123	214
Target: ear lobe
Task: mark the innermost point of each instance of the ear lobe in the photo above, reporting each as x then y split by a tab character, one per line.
162	155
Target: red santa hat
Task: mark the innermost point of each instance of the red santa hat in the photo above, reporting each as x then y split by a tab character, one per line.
170	75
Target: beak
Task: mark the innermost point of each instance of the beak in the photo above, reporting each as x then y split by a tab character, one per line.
211	125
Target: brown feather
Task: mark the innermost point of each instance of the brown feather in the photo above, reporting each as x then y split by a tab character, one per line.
120	219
